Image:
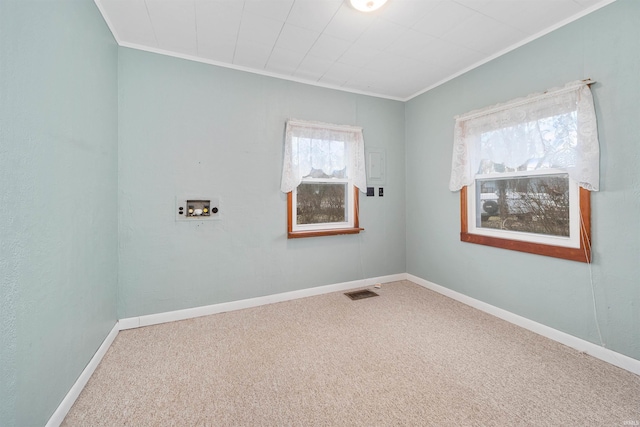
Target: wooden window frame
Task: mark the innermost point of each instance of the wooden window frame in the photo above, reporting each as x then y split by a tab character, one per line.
328	232
581	254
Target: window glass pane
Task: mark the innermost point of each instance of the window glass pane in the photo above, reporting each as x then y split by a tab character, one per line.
528	204
321	203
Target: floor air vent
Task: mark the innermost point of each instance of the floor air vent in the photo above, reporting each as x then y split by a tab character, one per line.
361	294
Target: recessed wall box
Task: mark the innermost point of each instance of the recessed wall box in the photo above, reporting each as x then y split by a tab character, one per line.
196	209
376	167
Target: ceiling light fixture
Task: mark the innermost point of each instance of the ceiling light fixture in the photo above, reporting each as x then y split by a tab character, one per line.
367	5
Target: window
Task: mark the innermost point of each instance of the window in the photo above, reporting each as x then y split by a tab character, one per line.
525	170
323	170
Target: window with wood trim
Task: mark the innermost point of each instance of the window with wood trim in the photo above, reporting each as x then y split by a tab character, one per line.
323	209
525	170
529	215
322	172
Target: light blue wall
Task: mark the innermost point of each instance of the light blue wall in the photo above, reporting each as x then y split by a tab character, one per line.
58	200
604	46
188	128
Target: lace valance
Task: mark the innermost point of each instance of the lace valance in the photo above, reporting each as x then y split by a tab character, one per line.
552	130
333	150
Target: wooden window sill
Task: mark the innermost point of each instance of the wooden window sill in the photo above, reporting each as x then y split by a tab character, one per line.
318	233
573	254
581	254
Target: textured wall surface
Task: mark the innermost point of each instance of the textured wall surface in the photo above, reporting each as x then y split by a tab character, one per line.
58	206
85	126
194	129
603	46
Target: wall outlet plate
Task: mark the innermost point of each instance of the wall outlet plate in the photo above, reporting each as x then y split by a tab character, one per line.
197	208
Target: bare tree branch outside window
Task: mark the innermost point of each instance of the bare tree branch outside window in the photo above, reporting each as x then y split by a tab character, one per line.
529	204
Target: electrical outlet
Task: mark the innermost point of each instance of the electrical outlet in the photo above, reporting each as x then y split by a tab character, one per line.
194	209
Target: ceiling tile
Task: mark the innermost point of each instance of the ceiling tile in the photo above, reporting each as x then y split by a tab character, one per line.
296	38
412	44
358	55
407	12
258	29
449	56
329	48
218	17
484	34
397	88
478	5
392	64
338	74
530	16
130	21
365	80
174	23
380	34
410	80
313	14
217	24
252	55
443	17
587	3
218	49
404	82
348	24
312	68
274	9
284	61
397	51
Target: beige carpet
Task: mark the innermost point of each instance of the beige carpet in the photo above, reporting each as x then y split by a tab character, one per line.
409	357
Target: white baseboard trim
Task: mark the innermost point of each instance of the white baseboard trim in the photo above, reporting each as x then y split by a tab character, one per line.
153	319
189	313
609	356
602	353
68	401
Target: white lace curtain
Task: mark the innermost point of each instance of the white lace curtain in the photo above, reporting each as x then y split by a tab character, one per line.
556	129
334	150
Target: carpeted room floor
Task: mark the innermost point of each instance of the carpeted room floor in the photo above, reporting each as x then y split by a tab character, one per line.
407	357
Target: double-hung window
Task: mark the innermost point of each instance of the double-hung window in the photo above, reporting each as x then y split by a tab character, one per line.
525	169
323	170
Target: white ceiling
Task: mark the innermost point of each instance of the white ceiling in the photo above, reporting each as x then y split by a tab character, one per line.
397	52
